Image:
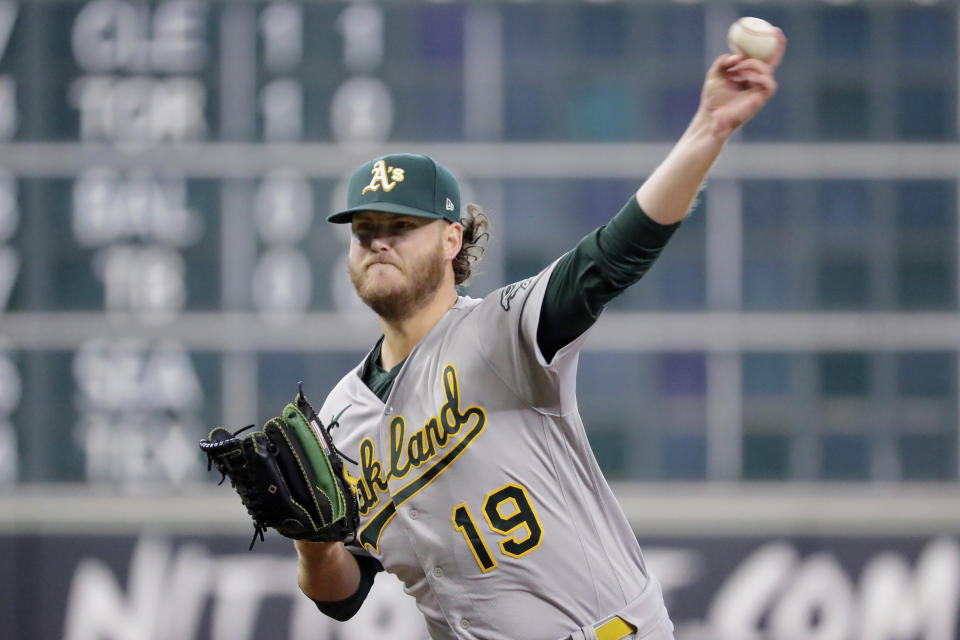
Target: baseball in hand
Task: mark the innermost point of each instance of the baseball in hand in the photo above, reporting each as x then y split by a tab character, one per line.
752	38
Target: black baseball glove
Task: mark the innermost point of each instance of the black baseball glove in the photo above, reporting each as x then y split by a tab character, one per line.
289	475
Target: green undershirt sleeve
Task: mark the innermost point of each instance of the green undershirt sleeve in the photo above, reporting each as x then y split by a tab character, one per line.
599	268
345	609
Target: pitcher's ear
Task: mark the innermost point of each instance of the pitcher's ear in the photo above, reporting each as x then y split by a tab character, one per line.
452	240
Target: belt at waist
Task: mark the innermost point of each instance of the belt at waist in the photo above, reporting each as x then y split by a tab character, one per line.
614	629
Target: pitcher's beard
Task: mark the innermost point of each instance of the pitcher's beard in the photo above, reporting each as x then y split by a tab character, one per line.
396	303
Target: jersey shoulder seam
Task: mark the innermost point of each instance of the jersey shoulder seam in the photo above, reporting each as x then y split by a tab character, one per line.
496	372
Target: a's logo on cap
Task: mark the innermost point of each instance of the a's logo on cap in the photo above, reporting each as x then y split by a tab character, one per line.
380	178
450	206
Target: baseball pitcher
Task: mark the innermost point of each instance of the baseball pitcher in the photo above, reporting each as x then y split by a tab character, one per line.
459	462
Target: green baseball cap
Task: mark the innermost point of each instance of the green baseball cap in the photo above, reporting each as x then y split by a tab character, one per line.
402	183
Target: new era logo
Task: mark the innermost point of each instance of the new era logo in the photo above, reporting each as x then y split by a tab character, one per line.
450	206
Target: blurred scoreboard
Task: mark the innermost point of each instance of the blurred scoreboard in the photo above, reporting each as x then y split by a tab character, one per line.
133	73
118	270
165	265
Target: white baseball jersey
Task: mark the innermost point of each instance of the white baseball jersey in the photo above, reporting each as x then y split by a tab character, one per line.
478	489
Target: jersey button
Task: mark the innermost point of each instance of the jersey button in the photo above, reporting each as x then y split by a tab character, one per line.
465	623
414	514
437	572
387	410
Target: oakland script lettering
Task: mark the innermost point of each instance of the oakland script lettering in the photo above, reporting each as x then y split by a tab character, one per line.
417	449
